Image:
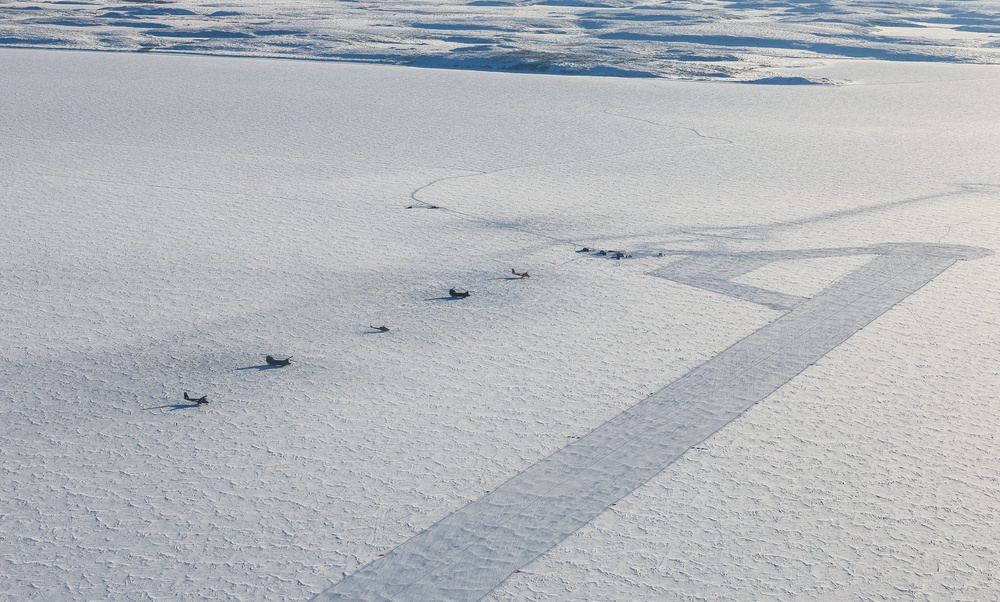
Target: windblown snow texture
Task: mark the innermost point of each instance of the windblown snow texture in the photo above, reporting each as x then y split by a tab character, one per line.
469	553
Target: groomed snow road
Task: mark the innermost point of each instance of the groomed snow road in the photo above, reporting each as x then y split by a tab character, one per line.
470	552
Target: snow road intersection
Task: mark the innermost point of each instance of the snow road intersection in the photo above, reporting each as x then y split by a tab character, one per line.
470	552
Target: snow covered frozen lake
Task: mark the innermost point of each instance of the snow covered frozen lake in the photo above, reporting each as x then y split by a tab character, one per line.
170	220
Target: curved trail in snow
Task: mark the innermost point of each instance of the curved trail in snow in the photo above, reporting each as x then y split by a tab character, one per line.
476	173
668	126
737	232
471	551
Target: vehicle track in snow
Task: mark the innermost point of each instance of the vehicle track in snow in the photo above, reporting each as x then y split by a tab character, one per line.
473	550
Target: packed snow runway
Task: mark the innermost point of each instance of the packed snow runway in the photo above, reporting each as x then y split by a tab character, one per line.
169	221
466	555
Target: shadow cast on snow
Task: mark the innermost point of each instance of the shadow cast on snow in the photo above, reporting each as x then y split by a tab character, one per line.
175	406
260	367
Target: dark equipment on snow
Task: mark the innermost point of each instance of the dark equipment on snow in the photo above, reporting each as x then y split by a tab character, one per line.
198	400
273	362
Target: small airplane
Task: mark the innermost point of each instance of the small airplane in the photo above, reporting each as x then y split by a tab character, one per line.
198	400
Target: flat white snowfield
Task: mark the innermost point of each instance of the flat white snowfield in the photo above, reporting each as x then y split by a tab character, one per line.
169	221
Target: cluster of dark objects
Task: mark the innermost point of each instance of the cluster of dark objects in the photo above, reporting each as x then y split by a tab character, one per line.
453	293
603	253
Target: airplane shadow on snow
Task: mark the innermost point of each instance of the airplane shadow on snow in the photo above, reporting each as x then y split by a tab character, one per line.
175	406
